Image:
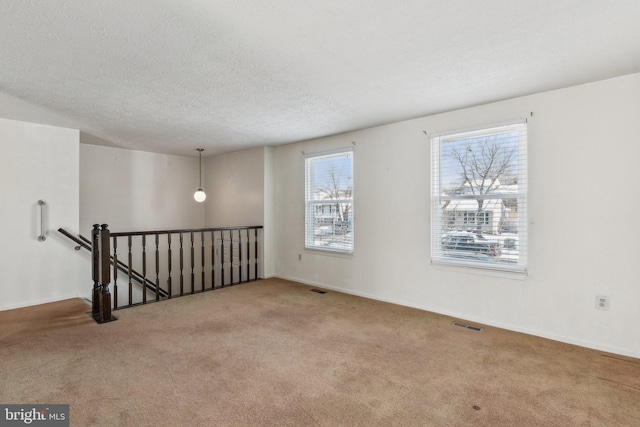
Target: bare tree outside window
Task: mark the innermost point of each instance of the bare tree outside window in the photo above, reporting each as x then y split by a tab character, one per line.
338	188
482	163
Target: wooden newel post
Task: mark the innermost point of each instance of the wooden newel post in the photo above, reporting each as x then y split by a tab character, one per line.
105	275
95	271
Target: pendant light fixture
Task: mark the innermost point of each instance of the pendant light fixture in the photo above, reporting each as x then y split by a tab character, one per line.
200	195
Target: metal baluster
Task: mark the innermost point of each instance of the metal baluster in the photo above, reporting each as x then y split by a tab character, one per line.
255	263
213	261
222	256
202	259
115	273
218	260
169	264
157	267
230	264
239	256
144	269
248	256
181	267
192	266
130	273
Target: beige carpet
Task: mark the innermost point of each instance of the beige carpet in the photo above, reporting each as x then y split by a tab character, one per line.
274	353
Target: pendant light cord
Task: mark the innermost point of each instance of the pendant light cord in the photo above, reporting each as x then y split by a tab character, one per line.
200	150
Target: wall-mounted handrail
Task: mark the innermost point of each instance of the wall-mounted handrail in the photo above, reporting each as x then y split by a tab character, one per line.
82	241
42	237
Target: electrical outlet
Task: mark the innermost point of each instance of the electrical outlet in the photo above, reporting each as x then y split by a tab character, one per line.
602	302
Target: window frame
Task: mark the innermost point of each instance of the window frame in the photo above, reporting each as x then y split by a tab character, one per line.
439	217
310	206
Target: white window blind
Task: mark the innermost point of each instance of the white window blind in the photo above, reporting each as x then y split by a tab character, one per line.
479	198
329	201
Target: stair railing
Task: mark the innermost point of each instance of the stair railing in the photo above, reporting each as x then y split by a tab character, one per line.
206	259
84	243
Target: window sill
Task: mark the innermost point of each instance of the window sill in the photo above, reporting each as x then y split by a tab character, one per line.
479	269
330	252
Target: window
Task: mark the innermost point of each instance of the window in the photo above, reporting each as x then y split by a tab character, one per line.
479	196
329	201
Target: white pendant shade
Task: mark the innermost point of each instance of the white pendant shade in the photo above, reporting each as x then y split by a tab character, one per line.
200	195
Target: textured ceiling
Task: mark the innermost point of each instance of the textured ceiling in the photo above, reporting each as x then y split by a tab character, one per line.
169	76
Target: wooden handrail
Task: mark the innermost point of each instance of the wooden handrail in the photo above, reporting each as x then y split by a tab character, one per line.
186	230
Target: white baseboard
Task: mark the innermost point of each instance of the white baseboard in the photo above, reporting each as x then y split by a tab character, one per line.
37	302
475	319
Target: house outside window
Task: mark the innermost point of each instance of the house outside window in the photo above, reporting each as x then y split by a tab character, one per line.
329	201
476	218
479	195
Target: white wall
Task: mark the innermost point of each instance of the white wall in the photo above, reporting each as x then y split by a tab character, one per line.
269	249
234	184
136	191
583	150
239	189
38	162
